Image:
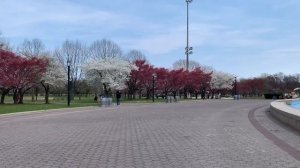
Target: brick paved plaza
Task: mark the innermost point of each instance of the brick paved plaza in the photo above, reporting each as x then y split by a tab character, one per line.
208	134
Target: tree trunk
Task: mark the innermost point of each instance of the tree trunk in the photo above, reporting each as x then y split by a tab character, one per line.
32	94
148	94
105	90
21	93
2	98
133	95
166	94
185	93
4	93
140	94
36	93
21	98
47	89
129	95
15	97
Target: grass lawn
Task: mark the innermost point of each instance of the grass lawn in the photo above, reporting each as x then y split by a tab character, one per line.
11	108
57	103
61	102
28	105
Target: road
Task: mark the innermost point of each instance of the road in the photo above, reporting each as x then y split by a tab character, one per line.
195	134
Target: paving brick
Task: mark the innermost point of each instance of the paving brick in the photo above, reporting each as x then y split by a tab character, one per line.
208	134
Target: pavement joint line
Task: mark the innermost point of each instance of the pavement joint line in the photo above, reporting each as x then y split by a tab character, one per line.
278	142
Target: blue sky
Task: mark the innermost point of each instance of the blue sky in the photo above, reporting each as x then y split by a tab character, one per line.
242	37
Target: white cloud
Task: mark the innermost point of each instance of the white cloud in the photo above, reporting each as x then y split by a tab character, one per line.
228	31
22	16
174	37
201	34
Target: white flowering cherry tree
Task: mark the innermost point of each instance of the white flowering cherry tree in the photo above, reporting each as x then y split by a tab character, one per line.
55	76
111	72
221	81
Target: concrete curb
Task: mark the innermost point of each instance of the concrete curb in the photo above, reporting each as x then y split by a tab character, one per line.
286	114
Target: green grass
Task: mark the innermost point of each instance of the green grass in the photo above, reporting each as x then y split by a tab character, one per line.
28	105
57	103
60	102
11	108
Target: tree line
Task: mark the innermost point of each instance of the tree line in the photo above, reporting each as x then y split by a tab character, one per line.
278	83
102	68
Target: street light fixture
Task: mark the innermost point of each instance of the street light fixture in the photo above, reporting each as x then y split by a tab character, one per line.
69	97
153	87
188	50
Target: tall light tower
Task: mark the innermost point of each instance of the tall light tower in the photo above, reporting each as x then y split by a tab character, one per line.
188	49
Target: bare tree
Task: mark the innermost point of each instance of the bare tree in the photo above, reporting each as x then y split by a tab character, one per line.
76	54
32	48
135	55
105	49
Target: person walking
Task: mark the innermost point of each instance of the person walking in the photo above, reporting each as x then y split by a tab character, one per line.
118	96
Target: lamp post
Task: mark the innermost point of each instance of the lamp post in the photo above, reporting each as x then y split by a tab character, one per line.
69	97
153	82
235	88
188	50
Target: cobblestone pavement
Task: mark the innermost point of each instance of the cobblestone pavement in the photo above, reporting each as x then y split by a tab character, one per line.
208	134
281	134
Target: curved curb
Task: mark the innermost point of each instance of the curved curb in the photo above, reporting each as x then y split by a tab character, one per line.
278	142
285	113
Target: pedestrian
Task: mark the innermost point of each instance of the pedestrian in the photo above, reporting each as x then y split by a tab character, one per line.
95	98
118	96
203	94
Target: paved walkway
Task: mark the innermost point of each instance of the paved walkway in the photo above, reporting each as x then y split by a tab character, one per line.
208	134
